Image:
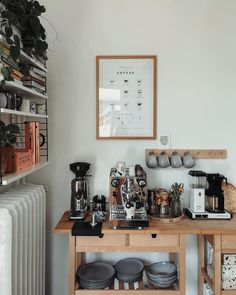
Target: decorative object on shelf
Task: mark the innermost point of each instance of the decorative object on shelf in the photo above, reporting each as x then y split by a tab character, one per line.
25	106
126	97
176	207
33	107
41	109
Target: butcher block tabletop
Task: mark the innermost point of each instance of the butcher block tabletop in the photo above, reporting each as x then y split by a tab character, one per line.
184	226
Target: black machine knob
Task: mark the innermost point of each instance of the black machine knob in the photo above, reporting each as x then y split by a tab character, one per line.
142	182
115	182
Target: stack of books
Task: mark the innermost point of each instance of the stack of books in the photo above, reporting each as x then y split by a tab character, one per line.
36	79
7	61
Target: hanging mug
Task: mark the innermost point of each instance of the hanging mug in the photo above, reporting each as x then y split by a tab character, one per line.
163	160
188	160
175	160
151	160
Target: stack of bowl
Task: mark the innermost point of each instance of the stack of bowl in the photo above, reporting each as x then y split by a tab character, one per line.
129	270
162	274
97	275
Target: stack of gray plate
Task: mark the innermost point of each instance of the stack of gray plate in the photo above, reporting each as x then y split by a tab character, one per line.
129	270
162	274
97	275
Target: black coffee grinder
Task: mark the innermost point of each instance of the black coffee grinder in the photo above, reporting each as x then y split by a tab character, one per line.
214	193
79	190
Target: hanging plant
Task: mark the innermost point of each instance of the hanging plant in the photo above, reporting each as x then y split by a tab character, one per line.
23	15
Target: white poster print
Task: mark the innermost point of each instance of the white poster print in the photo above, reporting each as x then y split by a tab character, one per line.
126	93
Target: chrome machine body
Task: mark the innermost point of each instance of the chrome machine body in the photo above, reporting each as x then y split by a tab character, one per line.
127	197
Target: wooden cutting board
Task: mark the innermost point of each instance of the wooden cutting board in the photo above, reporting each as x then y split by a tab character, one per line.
230	197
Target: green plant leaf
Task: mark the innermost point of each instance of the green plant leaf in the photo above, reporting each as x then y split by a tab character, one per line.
6	72
12	128
14	52
39	7
17	40
8	32
2	127
40	47
9	41
35	12
35	24
10	139
3	83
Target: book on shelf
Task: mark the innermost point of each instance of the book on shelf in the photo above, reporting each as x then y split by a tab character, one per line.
31	78
36	89
9	63
36	76
34	84
38	71
32	140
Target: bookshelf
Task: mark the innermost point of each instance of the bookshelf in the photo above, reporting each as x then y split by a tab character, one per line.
19	117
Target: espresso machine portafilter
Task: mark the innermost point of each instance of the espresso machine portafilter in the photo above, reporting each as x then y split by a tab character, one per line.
79	190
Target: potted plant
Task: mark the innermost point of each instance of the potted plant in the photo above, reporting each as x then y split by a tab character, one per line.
8	139
22	16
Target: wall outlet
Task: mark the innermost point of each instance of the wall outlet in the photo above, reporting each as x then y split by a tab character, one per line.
164	141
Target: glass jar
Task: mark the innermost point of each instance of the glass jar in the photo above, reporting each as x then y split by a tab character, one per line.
176	207
162	202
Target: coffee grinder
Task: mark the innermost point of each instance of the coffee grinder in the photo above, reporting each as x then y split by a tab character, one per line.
79	190
206	196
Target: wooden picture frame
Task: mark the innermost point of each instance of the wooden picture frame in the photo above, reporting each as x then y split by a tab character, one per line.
126	97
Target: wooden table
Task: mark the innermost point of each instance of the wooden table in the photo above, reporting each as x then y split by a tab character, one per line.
158	237
221	234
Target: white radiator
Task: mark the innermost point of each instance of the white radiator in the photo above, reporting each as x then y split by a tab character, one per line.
25	207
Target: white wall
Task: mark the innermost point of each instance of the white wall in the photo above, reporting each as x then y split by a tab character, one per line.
195	44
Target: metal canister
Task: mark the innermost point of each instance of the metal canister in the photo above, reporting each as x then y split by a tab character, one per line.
151	207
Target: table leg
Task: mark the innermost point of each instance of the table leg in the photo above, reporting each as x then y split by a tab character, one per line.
182	265
201	263
71	286
217	265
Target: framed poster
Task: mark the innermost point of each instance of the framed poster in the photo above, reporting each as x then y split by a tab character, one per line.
126	97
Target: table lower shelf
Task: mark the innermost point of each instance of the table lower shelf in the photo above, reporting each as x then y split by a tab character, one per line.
210	284
131	288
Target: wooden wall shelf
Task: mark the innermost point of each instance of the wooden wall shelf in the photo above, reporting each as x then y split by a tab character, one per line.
196	154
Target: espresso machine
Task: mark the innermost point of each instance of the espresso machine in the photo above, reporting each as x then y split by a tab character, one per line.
79	190
206	196
128	194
